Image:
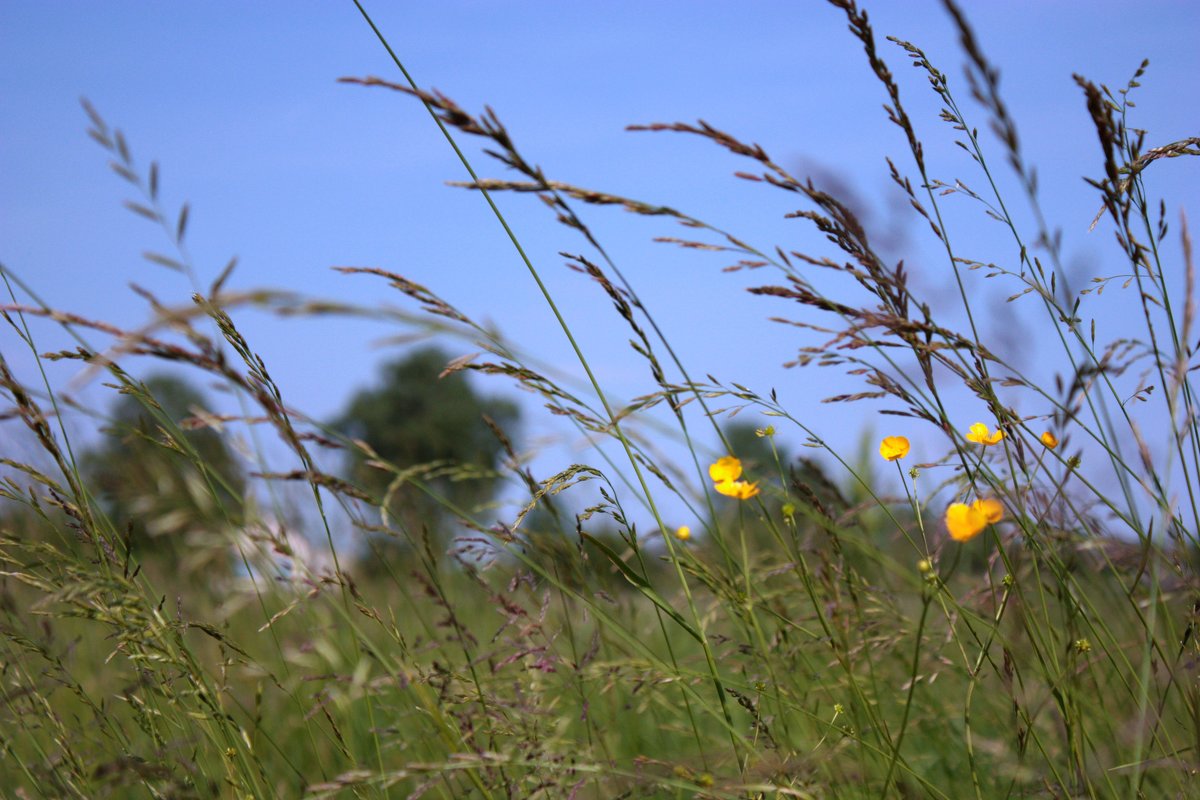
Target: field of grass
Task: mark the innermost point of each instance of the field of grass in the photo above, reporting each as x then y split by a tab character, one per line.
1005	607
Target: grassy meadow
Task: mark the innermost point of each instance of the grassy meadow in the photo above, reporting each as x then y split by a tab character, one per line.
1005	606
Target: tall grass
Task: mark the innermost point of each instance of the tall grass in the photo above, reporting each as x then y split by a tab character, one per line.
1010	614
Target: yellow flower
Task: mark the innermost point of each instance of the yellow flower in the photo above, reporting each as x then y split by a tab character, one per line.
726	468
1050	440
726	473
739	489
965	522
990	508
979	433
893	448
683	533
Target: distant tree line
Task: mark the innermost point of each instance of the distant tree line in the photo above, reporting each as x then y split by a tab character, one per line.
424	448
176	491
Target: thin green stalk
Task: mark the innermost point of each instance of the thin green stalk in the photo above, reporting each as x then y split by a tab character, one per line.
914	672
553	306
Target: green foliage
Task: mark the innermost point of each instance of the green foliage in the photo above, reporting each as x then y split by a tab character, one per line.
174	487
756	449
441	456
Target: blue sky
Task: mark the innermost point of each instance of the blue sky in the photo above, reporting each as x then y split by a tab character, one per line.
295	173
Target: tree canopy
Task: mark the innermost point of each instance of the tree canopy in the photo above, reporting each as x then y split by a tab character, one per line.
175	491
434	427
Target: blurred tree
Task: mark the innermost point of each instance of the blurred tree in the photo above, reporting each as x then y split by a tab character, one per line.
176	491
754	450
752	445
434	426
577	550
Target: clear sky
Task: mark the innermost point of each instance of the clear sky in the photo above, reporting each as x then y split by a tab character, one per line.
295	173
